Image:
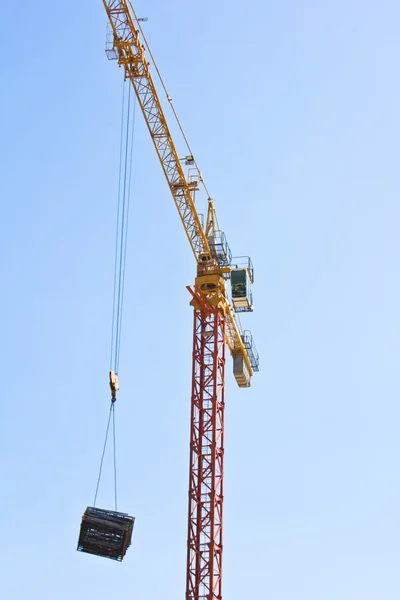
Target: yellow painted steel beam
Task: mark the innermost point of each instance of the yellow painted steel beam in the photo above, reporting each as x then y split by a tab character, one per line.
234	339
130	52
131	56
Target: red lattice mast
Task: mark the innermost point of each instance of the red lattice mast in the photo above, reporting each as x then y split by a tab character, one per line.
204	553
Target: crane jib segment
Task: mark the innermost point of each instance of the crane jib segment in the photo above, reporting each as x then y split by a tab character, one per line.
131	56
127	48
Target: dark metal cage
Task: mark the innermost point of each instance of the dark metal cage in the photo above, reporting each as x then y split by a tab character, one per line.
105	533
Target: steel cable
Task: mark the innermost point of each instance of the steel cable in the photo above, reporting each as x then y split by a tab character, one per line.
102	456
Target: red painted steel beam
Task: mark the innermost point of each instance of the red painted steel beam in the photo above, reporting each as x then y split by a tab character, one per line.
204	551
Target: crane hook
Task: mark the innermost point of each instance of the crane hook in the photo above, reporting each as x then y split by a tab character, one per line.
114	385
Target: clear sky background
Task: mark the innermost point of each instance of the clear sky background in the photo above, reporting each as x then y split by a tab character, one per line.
292	110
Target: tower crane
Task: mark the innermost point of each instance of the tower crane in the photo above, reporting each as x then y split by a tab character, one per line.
216	312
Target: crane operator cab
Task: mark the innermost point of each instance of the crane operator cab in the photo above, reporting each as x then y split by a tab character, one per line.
242	276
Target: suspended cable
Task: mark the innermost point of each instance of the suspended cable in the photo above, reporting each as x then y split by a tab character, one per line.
115	459
125	199
95	536
124	193
102	456
118	220
120	266
127	222
111	412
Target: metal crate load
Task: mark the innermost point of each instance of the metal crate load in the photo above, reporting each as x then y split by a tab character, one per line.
105	533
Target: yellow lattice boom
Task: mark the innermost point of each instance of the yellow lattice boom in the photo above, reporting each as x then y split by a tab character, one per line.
128	47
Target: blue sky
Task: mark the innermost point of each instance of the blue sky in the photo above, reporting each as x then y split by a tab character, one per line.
292	112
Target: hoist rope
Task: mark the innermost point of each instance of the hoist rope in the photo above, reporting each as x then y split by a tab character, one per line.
121	249
117	234
112	411
127	210
115	458
124	193
102	456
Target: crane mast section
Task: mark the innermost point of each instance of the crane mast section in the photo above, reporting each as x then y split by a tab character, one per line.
131	56
233	330
206	494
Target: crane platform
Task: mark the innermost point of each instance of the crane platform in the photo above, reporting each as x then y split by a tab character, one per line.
105	533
